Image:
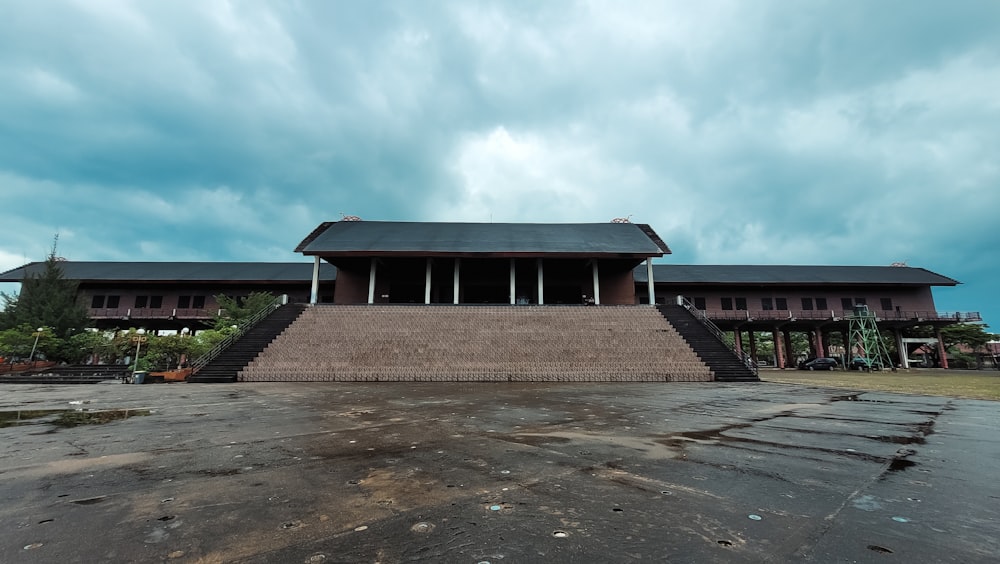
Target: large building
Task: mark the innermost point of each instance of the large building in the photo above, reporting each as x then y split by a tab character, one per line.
362	262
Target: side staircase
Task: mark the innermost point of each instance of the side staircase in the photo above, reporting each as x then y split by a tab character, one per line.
225	366
724	362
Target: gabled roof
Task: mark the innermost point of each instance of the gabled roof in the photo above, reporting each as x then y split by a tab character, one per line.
797	275
233	272
388	238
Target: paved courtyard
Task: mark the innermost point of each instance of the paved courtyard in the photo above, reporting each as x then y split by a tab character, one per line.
495	473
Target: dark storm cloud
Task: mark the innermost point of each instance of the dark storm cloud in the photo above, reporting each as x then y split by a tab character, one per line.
825	132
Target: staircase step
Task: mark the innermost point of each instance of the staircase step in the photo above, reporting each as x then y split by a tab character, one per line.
227	365
724	363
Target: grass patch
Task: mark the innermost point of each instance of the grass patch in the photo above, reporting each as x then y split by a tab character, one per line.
969	384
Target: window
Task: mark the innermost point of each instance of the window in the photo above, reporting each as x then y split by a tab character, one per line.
820	303
741	304
781	303
886	304
727	303
156	302
198	302
699	303
846	304
113	302
860	301
766	304
183	302
807	304
141	301
97	302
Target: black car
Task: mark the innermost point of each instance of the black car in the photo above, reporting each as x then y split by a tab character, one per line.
819	364
861	364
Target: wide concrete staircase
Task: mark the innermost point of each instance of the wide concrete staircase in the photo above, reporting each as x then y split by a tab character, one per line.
478	343
227	365
724	363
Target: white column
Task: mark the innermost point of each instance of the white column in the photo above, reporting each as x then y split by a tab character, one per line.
314	294
427	283
454	294
513	279
541	283
904	360
597	283
649	279
371	283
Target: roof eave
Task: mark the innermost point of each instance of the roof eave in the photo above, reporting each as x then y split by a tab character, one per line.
491	254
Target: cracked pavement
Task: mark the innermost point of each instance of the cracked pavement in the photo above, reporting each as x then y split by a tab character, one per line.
498	473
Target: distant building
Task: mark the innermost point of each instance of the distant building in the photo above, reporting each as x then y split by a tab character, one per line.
357	262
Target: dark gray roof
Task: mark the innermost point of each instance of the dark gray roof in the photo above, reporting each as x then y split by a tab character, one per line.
345	238
792	275
179	271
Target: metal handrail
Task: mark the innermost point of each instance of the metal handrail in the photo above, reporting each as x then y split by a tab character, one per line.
837	315
698	314
240	330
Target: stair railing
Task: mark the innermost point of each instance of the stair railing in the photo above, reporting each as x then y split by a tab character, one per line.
700	315
237	333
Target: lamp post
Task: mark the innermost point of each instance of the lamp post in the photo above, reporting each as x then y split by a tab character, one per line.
185	332
38	333
139	338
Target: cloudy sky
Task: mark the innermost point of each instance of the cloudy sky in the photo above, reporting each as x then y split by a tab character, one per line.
819	132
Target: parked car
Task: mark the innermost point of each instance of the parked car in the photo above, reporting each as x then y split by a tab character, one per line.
819	364
860	364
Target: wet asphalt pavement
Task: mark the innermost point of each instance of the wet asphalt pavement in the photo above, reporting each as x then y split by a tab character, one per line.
498	473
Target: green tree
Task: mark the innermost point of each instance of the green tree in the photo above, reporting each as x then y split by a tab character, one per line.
165	352
972	335
204	341
89	344
237	310
47	299
17	342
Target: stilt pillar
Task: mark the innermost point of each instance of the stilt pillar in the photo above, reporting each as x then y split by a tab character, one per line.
779	349
789	353
942	352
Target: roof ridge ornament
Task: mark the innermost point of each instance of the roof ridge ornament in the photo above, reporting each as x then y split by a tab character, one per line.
349	217
627	219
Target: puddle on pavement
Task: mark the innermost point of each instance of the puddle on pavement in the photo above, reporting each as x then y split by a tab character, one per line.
651	449
66	417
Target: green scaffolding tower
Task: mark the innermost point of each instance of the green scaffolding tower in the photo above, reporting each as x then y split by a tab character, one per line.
866	341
